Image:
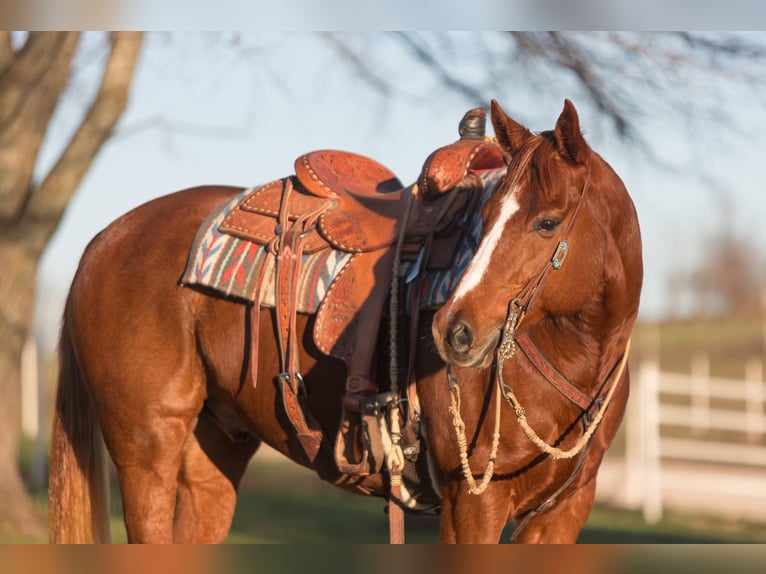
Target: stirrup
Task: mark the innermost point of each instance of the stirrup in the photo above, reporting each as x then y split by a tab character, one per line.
359	443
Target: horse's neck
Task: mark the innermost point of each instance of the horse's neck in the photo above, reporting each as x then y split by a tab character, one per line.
582	347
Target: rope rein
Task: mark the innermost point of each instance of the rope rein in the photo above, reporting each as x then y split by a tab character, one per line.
506	392
395	456
553	451
457	422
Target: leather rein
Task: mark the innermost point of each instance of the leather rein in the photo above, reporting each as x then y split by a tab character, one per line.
509	340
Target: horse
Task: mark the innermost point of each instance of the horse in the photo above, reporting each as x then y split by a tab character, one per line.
541	319
161	374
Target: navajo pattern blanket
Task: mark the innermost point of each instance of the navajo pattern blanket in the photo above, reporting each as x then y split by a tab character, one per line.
230	266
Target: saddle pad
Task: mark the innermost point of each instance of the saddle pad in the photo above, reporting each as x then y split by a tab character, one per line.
230	266
438	285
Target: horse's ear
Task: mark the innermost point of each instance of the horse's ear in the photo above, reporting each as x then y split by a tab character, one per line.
571	144
510	134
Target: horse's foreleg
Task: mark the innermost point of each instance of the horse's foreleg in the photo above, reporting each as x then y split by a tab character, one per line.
473	519
562	523
211	470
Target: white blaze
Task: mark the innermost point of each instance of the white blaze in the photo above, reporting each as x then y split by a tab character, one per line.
487	247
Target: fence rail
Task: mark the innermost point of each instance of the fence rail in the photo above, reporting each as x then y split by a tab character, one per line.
696	418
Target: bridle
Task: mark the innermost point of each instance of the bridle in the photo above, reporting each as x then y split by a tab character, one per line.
518	306
506	348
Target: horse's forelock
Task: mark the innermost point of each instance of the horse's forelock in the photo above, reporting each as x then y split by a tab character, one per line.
518	168
532	163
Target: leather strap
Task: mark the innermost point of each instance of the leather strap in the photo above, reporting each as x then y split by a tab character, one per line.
255	324
288	270
551	374
289	251
532	290
549	502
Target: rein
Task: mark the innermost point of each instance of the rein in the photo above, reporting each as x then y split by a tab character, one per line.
517	309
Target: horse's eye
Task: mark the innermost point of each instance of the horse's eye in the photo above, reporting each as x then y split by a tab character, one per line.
547	225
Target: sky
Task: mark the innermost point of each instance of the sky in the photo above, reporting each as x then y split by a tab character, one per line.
239	111
310	15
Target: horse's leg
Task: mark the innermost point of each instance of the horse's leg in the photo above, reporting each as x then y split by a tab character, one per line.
473	519
148	478
145	428
563	522
211	470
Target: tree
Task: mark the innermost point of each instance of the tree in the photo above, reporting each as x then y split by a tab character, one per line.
627	76
728	280
32	79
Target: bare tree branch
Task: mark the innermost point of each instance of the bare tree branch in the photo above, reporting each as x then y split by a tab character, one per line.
49	201
625	76
576	59
30	88
425	56
27	70
352	58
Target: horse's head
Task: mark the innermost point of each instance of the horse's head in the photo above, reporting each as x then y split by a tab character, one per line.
558	235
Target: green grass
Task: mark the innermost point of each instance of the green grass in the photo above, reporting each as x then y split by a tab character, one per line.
283	503
291	505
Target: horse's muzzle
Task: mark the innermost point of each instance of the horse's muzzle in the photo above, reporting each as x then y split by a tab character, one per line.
458	344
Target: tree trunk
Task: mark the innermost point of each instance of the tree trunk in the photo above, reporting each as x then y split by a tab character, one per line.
31	81
17	513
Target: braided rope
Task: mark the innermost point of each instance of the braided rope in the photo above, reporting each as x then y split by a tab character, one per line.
506	392
459	424
395	457
553	451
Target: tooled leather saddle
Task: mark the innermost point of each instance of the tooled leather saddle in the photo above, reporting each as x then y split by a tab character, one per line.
347	202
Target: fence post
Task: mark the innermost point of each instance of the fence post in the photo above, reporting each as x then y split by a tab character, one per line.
650	419
700	393
633	493
30	411
754	395
30	416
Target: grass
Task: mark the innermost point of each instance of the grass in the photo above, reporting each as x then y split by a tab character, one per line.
283	503
291	505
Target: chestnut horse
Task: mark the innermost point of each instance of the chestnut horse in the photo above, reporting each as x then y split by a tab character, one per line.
541	319
161	372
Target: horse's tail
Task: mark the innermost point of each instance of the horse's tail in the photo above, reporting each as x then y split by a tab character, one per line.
78	491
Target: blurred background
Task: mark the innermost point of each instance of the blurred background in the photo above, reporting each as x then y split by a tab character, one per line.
93	124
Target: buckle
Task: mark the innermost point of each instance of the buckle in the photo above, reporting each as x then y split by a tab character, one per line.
297	387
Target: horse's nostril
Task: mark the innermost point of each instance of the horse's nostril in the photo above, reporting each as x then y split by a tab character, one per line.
461	337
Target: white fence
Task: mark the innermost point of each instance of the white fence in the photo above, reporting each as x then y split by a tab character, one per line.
695	418
31	402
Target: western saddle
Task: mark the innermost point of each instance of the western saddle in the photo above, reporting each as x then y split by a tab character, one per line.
348	202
